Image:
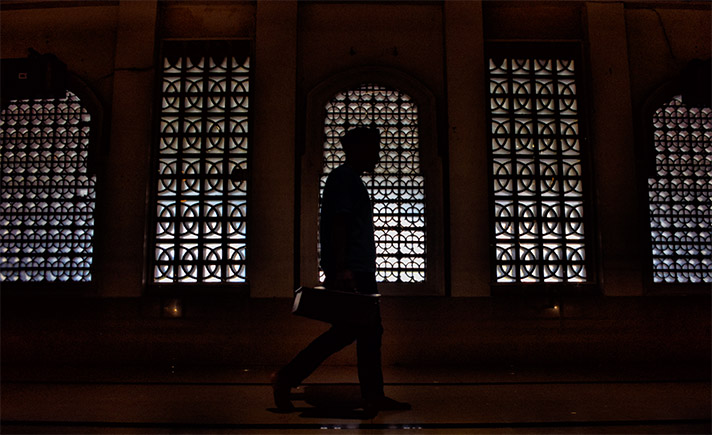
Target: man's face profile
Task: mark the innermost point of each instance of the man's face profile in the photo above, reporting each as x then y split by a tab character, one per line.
372	153
362	147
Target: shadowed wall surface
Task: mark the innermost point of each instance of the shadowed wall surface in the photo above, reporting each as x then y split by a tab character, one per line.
419	331
627	50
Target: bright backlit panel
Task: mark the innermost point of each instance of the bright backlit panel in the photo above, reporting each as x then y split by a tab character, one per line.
536	164
397	188
680	194
201	172
48	194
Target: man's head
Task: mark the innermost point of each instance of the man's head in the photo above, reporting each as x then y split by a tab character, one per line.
362	146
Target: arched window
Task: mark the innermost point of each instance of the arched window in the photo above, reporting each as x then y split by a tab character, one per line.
48	193
397	187
406	188
680	193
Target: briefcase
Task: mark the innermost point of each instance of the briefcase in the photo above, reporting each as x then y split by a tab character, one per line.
337	307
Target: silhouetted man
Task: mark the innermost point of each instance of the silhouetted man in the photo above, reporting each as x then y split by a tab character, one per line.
348	259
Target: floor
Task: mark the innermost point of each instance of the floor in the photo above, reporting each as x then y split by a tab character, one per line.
170	398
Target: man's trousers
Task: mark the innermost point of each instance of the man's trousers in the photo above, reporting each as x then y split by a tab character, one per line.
368	349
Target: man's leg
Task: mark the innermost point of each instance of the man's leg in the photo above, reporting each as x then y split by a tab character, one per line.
368	346
370	374
291	375
328	343
370	371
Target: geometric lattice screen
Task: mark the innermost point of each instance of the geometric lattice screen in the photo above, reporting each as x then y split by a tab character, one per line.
201	172
680	194
536	162
48	195
397	186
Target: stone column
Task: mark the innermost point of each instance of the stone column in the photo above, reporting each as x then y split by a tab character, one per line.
467	137
271	208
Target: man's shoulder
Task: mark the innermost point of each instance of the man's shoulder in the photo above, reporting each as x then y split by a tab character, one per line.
343	174
343	170
343	186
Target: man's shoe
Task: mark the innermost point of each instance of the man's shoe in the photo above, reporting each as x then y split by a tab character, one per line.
281	391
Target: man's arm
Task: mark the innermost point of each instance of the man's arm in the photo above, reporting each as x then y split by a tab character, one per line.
342	278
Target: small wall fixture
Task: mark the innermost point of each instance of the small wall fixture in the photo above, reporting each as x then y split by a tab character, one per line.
172	308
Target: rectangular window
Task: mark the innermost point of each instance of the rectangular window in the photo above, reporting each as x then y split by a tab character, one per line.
200	188
536	163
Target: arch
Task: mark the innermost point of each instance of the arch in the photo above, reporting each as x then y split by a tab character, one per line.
385	76
94	105
311	170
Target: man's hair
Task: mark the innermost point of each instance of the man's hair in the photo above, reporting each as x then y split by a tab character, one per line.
359	136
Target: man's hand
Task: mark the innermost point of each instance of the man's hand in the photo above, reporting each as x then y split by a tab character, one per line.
342	280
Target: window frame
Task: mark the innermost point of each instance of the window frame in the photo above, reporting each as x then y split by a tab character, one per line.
573	49
647	168
96	167
189	45
310	153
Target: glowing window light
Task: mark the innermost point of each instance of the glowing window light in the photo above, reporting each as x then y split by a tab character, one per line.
680	194
201	166
397	188
536	161
48	195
